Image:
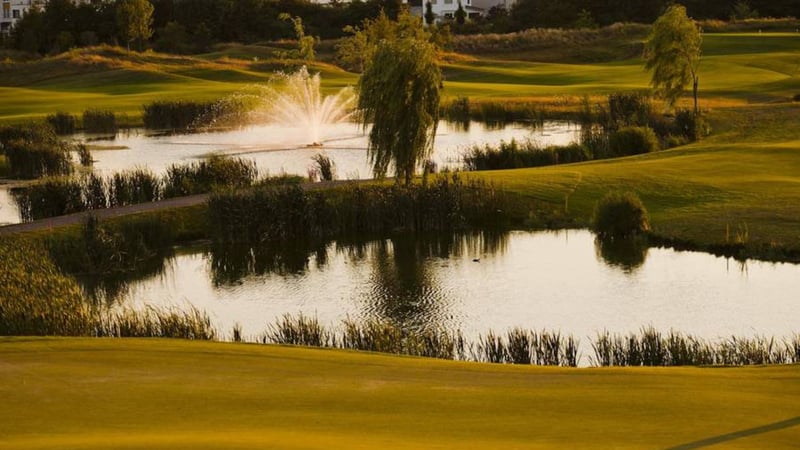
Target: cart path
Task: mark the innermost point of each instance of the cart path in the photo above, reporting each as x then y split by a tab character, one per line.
107	213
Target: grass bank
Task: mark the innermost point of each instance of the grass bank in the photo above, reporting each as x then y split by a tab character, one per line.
94	393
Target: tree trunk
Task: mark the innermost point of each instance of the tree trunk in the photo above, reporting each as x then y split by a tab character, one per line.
694	91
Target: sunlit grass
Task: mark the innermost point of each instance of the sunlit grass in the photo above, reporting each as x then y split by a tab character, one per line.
98	393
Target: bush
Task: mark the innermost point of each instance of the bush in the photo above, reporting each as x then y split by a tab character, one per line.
629	109
632	141
620	214
62	123
688	125
100	122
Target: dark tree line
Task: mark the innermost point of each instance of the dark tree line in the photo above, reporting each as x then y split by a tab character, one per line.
566	13
193	25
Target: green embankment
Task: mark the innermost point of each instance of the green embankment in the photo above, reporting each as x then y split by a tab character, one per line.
94	393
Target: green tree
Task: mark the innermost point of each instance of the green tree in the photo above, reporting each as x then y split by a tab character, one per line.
460	15
134	21
399	94
672	54
305	44
430	17
354	51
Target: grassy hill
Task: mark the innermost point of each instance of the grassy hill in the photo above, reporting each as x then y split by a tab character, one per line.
93	393
737	69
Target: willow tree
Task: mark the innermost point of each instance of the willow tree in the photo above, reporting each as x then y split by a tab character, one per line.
399	93
672	53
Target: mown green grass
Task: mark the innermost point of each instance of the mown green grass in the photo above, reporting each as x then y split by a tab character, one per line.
746	175
93	393
737	68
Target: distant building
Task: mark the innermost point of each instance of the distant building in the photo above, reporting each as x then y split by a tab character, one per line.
445	10
13	10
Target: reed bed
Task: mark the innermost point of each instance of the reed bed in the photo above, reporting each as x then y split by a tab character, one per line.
188	115
62	123
517	347
100	121
650	347
207	175
514	155
461	110
156	322
56	196
35	151
290	213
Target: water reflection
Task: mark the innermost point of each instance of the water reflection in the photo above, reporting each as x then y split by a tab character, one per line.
474	283
627	254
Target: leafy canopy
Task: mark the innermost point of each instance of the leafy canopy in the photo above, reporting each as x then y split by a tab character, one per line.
399	95
672	54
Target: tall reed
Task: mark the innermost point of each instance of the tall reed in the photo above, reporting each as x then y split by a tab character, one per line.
515	155
63	123
100	121
209	174
35	151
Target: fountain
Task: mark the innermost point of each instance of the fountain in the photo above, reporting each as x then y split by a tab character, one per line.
299	102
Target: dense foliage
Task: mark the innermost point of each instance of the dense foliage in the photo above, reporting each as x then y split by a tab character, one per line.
193	25
620	214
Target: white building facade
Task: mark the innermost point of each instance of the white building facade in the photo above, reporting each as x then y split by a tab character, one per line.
445	10
13	10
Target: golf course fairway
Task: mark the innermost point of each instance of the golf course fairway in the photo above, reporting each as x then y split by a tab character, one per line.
139	393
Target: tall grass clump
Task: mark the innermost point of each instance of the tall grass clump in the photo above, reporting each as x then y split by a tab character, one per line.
649	347
34	151
63	123
515	155
175	115
100	122
620	214
206	175
133	187
49	198
325	167
189	115
156	322
36	298
518	347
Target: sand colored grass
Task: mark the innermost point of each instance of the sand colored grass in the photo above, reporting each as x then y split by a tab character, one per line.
91	393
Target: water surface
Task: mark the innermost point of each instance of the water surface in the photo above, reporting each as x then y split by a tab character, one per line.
558	281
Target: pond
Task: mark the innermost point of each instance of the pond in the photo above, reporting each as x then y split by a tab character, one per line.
283	150
560	281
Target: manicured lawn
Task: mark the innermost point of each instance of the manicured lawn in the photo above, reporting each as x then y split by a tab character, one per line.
745	176
92	393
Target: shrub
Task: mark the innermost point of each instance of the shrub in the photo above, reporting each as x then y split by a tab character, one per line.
687	125
62	123
629	109
632	141
98	121
620	214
